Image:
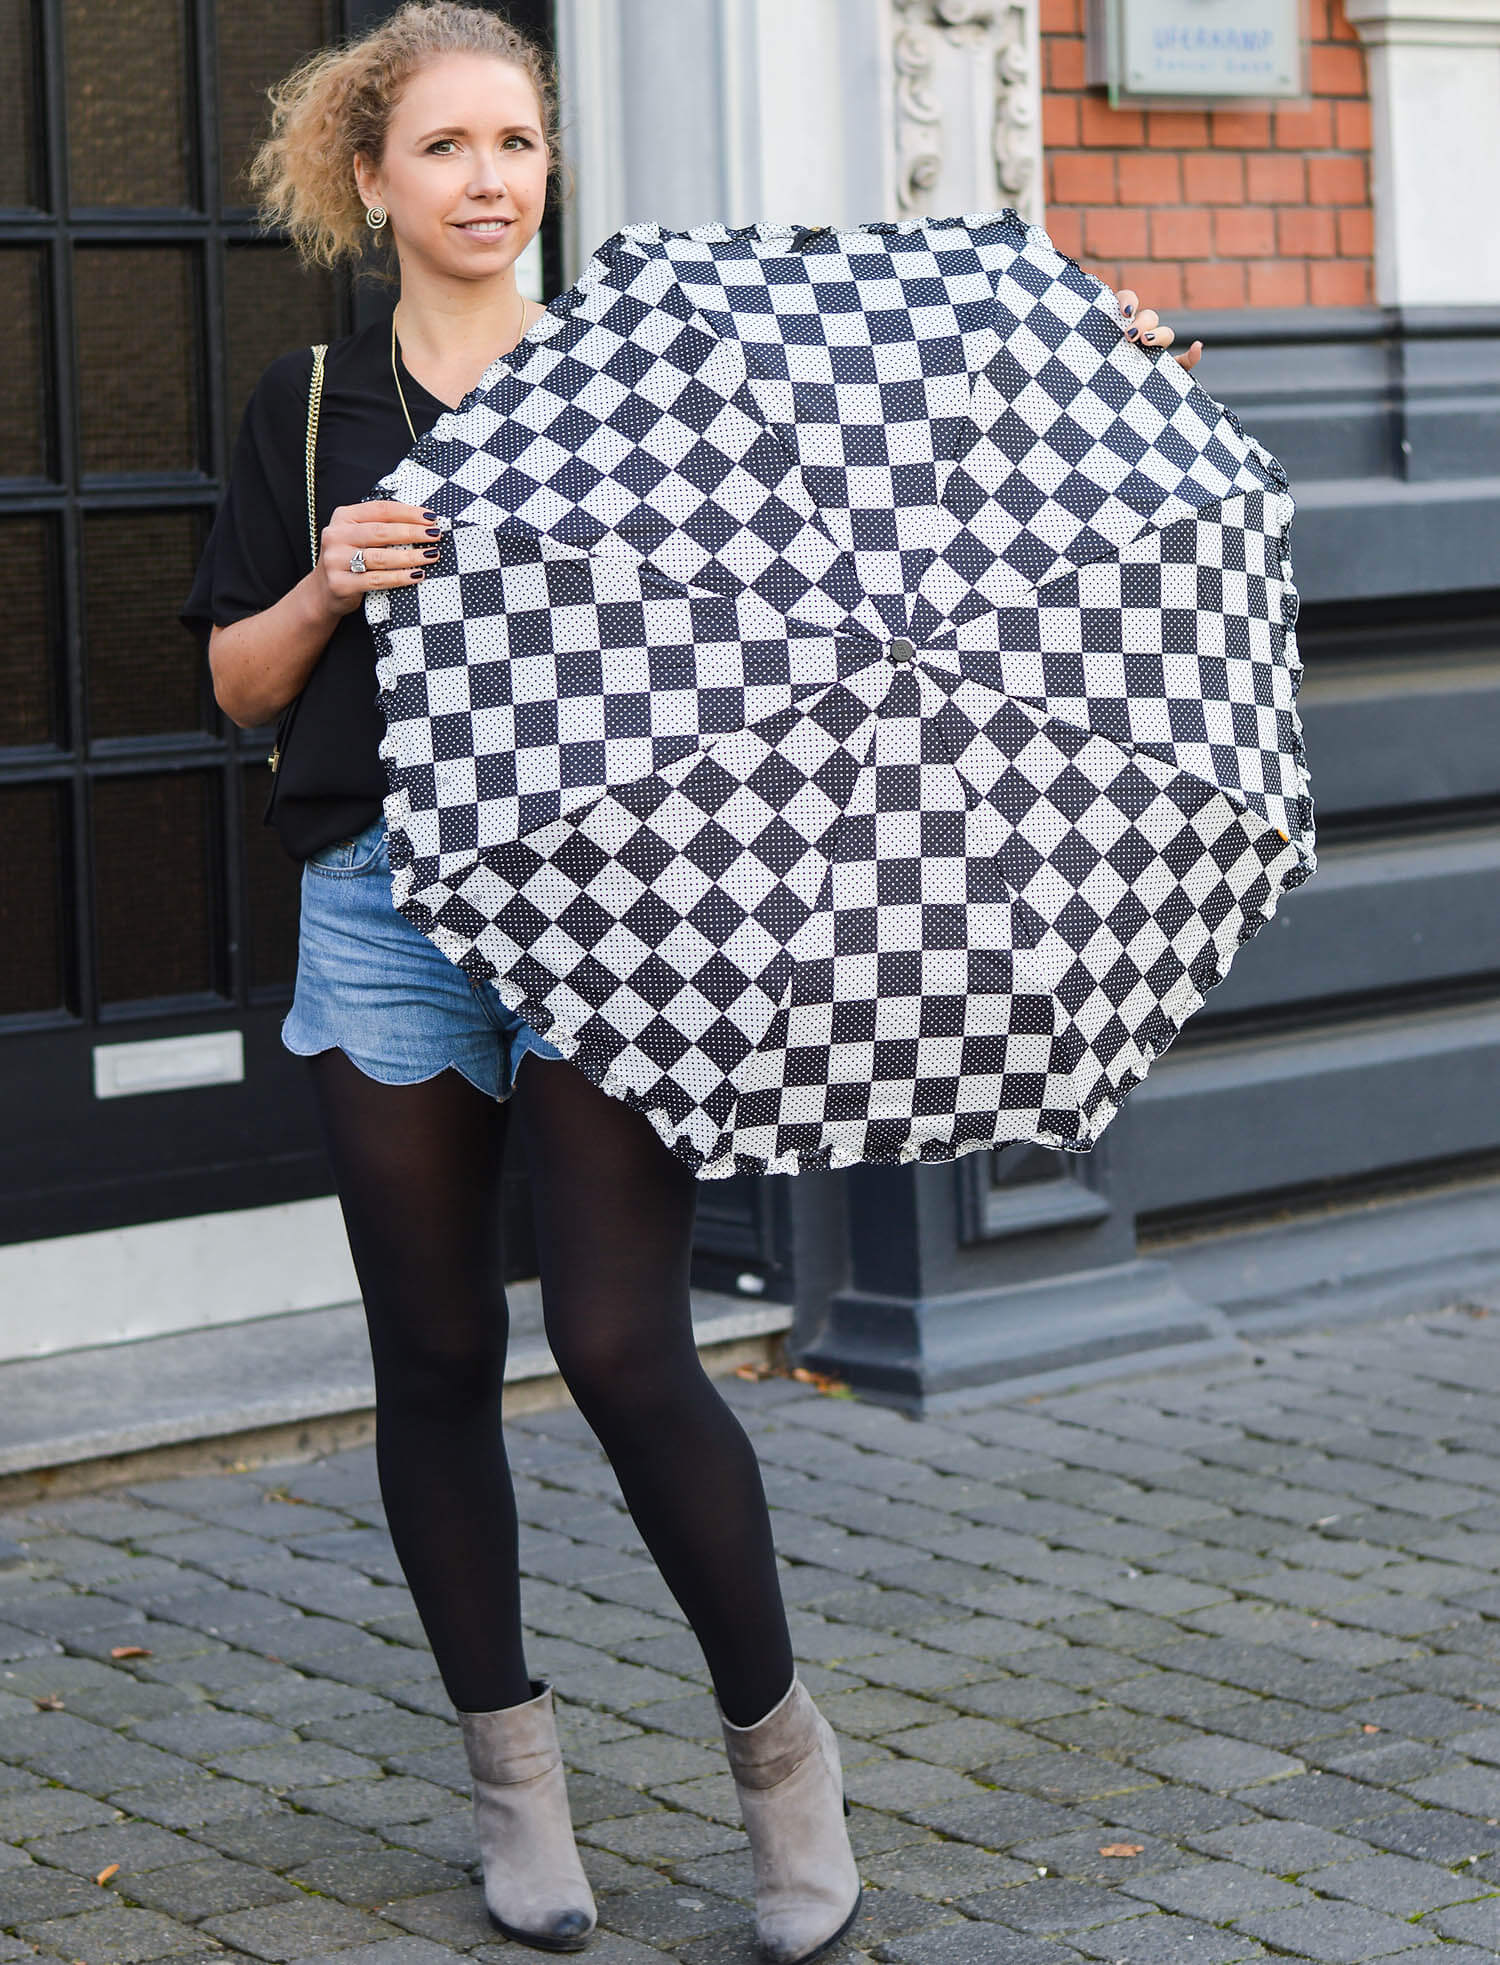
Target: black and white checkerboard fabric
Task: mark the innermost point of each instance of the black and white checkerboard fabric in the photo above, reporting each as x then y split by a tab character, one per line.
853	713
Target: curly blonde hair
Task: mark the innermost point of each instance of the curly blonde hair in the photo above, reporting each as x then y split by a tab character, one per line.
337	105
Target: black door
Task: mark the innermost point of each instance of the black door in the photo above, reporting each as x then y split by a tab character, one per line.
142	901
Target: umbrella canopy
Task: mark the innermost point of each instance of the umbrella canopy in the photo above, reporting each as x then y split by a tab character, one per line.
853	713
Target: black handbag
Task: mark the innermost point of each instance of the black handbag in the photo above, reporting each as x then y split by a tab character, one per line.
288	717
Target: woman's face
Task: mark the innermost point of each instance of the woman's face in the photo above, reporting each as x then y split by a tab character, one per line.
464	175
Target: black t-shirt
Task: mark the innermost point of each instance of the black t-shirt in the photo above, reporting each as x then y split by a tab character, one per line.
331	782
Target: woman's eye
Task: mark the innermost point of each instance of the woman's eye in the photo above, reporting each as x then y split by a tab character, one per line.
443	143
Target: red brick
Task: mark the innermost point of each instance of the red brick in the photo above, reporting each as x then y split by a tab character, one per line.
1065	229
1064	62
1338	23
1316	20
1059	121
1116	233
1215	283
1083	177
1156	285
1062	16
1306	233
1335	70
1338	283
1249	233
1336	181
1103	270
1241	129
1357	233
1351	125
1181	235
1211	178
1099	124
1278	283
1178	129
1308	128
1150	178
1275	180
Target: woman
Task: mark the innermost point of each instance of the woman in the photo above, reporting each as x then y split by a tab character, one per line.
437	131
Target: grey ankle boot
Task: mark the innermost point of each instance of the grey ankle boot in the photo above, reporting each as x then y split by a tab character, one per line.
534	1886
789	1780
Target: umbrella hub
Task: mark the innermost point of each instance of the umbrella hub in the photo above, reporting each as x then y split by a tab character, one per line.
902	650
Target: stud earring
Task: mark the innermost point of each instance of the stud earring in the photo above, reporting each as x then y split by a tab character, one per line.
376	216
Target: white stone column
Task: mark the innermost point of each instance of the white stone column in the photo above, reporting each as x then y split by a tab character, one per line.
815	111
1435	92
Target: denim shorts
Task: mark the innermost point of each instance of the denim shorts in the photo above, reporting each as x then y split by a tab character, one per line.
371	984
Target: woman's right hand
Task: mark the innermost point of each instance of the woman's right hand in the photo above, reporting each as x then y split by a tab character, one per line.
399	544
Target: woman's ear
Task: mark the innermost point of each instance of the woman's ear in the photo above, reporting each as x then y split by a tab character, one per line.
365	180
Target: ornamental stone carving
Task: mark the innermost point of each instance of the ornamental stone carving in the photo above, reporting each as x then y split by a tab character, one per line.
967	106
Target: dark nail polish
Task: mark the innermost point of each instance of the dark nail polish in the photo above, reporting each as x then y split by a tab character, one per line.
1132	333
429	516
419	573
431	552
434	532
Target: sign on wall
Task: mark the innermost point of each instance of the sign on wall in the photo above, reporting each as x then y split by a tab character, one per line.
1161	49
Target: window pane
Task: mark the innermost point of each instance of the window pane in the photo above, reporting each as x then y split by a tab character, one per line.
23	446
127	131
137	373
270	307
154	903
31	915
31	646
18	128
273	881
146	673
257	46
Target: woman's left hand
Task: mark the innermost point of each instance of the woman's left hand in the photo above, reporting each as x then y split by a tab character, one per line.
1143	325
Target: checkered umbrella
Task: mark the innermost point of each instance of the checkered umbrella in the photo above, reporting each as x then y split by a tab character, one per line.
853	713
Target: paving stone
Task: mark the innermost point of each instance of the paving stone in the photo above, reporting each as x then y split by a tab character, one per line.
118	1936
1049	1907
1467	1790
974	1944
208	1888
296	1930
36	1811
1340	1934
368	1804
368	1880
1282	1848
281	1840
33	1892
671	1917
1222	1765
1433	1835
1393	1883
1217	1893
943	1870
1165	1940
392	1951
1476	1923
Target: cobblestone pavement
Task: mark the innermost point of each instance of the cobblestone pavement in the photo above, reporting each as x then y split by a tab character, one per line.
1202	1666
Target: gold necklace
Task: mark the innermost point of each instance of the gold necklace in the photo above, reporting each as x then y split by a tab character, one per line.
401	393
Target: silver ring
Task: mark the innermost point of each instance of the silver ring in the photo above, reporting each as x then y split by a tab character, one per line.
357	564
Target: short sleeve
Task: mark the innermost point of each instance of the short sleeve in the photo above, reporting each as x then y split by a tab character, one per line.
258	550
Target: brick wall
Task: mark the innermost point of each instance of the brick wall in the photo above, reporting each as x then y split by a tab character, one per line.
1215	208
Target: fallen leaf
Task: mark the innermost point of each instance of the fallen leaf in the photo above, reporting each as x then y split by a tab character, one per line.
285	1494
1122	1849
1368	1728
47	1702
109	1870
128	1651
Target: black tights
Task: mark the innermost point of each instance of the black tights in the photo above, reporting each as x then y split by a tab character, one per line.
418	1175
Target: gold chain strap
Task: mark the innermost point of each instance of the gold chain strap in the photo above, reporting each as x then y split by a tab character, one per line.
314	404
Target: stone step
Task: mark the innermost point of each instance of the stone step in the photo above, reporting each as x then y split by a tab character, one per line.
272	1385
